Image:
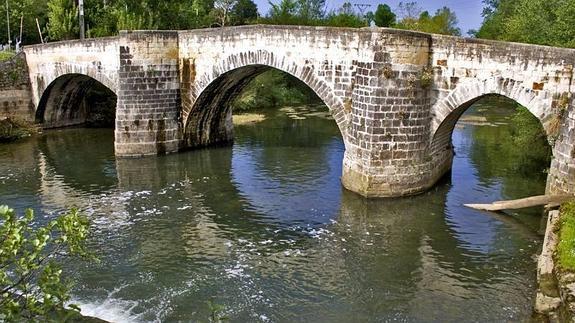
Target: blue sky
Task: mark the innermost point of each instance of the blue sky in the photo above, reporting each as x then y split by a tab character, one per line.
468	11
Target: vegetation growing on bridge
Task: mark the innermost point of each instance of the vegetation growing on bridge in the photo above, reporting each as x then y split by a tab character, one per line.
565	250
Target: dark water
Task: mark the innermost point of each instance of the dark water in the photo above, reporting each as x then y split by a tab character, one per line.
265	229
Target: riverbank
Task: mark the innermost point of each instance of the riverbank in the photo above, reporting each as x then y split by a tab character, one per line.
14	129
555	300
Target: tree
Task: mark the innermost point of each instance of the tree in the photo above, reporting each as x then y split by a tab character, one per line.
284	13
29	10
513	20
369	17
63	20
345	17
222	9
409	13
31	285
311	10
244	11
495	14
383	16
443	22
409	10
347	9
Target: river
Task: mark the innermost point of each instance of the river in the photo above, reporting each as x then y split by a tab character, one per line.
264	229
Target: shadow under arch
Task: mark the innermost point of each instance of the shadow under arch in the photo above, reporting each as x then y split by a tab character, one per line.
75	99
207	108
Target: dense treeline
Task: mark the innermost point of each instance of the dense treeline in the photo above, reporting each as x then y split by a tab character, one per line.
548	22
58	19
544	22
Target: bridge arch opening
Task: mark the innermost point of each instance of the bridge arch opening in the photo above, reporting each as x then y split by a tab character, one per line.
74	100
499	131
208	121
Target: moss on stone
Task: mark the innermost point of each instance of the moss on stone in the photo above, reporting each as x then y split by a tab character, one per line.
13	129
6	55
566	248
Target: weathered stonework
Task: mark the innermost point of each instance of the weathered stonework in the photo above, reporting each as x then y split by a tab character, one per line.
15	91
395	95
147	118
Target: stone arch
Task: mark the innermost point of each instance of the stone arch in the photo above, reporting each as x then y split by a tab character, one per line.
61	69
63	101
204	94
448	110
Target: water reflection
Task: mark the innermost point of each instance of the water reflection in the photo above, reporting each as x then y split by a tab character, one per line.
265	228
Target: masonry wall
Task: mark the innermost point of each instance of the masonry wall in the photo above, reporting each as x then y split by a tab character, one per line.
15	91
395	95
537	77
148	108
216	62
390	113
97	58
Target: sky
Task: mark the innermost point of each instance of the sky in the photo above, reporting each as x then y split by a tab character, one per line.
468	11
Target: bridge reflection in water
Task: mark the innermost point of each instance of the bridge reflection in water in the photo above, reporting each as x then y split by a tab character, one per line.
266	228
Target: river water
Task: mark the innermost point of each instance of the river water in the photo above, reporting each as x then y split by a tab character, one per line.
264	229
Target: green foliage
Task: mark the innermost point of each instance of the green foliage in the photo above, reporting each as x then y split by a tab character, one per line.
312	13
31	284
519	148
443	22
383	16
244	12
345	17
59	18
545	22
528	133
133	21
63	20
566	248
284	13
28	10
274	88
344	20
6	55
311	10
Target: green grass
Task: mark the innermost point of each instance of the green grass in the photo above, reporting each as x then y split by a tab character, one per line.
6	55
566	247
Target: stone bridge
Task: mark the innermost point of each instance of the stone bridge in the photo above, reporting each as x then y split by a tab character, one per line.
395	95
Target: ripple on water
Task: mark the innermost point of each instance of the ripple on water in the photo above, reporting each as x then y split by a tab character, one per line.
265	229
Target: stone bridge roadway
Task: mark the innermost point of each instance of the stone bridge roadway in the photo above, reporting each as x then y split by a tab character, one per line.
395	95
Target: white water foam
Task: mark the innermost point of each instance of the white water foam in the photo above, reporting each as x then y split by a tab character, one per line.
109	309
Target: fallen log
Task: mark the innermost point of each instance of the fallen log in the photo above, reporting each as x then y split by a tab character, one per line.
523	203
